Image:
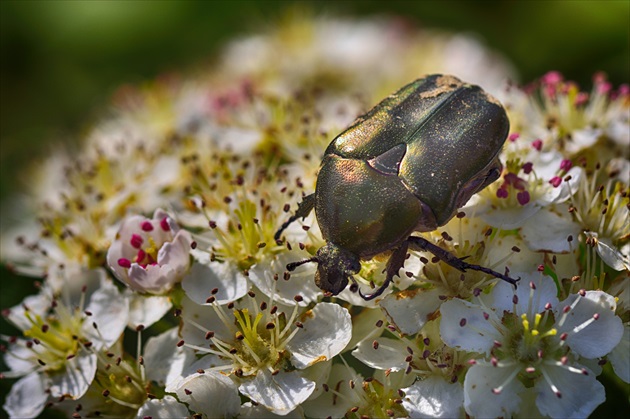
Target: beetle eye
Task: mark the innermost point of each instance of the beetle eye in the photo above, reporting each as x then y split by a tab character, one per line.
388	163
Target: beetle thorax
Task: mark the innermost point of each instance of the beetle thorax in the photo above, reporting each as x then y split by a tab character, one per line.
335	266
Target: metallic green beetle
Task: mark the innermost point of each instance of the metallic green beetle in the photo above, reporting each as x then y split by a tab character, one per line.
406	165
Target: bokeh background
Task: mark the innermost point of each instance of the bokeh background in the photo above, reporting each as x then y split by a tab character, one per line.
61	61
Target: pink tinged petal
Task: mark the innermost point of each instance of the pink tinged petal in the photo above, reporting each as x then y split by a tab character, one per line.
410	310
280	393
168	407
177	252
75	379
492	391
225	277
593	328
210	392
619	356
566	394
386	354
136	241
146	226
548	232
27	397
476	334
434	397
326	331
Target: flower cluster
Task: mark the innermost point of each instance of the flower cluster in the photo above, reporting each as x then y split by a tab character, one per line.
164	224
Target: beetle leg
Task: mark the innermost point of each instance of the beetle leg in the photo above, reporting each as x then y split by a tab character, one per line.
424	245
304	209
395	262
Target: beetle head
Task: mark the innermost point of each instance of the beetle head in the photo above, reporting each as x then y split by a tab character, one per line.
335	266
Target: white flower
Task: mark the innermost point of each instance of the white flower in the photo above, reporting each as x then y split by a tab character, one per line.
530	339
64	338
266	349
150	255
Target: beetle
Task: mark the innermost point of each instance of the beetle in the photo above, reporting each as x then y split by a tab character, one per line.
405	166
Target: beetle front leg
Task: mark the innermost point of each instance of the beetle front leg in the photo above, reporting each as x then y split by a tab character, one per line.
304	209
395	262
421	244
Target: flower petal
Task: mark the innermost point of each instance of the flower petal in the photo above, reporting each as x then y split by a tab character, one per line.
592	326
326	331
27	397
464	326
212	393
280	393
76	377
409	310
388	354
580	394
479	398
434	398
146	309
168	407
222	276
619	356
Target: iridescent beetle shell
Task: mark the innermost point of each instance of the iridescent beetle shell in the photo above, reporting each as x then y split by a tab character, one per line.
407	165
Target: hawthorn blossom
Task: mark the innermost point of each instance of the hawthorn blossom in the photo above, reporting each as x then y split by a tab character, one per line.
64	335
150	255
269	350
532	342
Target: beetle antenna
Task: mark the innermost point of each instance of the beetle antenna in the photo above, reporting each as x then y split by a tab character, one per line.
291	266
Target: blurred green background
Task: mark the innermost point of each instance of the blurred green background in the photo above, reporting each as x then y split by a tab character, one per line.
62	60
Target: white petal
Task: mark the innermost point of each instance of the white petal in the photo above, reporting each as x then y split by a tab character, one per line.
610	254
176	252
20	359
619	357
280	393
479	399
27	397
335	404
211	393
188	365
300	282
162	357
548	232
225	277
564	191
326	332
146	309
545	292
510	218
409	310
110	312
75	379
434	398
477	334
257	412
588	338
580	394
166	408
390	354
37	304
205	316
364	326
